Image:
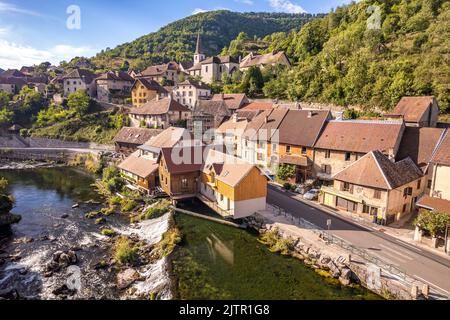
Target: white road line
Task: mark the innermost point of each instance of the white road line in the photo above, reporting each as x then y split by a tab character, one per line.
431	284
395	257
396	252
384	259
408	245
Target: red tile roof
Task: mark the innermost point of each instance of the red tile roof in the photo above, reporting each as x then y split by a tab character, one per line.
158	107
377	171
233	101
442	155
361	136
434	204
412	109
137	136
258	106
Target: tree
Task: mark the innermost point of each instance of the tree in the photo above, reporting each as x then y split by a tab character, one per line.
433	222
80	102
285	171
6	117
5	98
253	82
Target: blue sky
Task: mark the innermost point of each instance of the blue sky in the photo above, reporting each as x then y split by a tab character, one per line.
32	31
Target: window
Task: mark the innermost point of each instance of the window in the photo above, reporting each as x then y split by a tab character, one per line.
377	194
348	156
327	154
404	208
288	149
303	150
184	183
407	192
326	169
221	197
206	69
274	147
430	183
419	182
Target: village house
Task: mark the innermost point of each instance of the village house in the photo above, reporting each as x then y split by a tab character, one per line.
159	114
230	134
189	92
416	111
298	133
230	186
234	101
11	85
163	73
79	79
342	142
207	116
261	61
141	166
213	68
114	86
128	139
144	90
376	188
420	144
259	133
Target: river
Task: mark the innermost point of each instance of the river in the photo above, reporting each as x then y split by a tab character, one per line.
212	262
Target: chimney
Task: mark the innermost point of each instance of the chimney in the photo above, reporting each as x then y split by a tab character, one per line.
339	116
157	97
310	114
222	96
235	117
297	106
266	120
391	155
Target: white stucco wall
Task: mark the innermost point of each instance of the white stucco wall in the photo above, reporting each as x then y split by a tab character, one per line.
246	208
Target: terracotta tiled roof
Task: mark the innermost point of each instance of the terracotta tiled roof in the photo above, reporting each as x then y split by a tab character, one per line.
212	107
419	144
83	74
183	159
258	106
377	171
442	155
118	76
248	114
233	101
137	136
412	109
361	136
196	84
239	125
159	107
159	69
434	204
294	159
139	166
260	60
302	127
268	122
168	138
150	85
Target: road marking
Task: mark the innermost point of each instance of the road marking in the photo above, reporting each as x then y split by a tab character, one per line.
395	257
432	284
384	259
408	245
396	252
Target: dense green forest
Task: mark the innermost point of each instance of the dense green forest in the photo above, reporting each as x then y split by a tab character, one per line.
177	40
338	59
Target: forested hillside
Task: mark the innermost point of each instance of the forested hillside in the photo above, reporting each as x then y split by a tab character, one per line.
177	40
340	60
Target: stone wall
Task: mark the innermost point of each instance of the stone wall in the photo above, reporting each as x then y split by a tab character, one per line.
338	263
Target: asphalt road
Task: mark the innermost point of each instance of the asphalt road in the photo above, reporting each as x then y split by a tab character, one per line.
423	265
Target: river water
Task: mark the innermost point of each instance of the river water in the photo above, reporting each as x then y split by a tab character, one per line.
212	262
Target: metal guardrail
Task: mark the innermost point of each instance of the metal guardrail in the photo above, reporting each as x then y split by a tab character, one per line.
332	239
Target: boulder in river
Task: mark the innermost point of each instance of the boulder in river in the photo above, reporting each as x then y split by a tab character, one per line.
127	278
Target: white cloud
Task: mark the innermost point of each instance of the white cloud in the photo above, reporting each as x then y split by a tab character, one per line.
199	10
11	8
13	55
249	2
286	6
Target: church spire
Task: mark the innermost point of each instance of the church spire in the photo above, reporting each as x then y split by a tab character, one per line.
198	49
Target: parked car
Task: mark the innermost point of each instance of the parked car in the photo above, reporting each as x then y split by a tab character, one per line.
302	189
312	194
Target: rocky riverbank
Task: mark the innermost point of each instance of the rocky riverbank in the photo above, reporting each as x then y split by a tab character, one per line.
329	260
29	164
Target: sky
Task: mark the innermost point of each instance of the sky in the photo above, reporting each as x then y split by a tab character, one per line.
33	31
